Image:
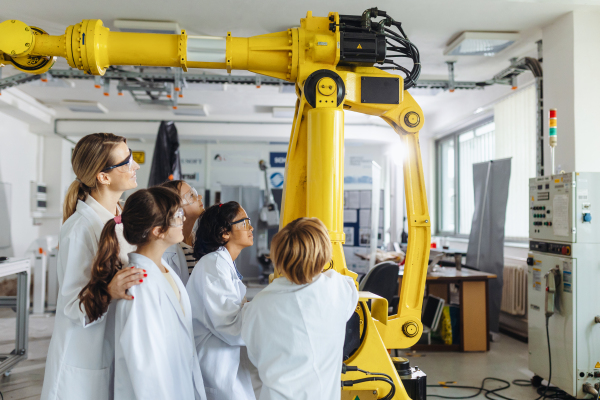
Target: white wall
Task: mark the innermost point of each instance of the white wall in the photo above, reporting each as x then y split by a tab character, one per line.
559	90
18	166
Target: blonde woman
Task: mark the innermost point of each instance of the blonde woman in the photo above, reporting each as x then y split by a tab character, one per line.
294	329
81	354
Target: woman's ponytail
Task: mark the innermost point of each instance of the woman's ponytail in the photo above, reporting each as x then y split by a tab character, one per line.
95	297
75	192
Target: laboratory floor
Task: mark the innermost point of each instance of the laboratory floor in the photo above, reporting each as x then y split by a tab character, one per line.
507	360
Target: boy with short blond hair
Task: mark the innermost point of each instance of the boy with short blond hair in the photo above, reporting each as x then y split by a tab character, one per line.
294	329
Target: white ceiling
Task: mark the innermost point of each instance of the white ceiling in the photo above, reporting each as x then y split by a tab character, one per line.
430	24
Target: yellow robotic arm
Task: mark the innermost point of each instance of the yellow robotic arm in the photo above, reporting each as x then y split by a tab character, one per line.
331	61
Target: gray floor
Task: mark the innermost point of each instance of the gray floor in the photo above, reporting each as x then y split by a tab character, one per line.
25	380
507	360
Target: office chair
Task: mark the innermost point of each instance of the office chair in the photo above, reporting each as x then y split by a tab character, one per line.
383	281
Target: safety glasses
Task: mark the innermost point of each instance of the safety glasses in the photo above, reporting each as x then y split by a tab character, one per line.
242	224
178	218
190	197
125	166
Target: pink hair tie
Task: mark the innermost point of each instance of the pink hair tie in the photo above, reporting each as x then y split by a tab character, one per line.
117	219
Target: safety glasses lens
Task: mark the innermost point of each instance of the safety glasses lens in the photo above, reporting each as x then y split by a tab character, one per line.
127	167
190	197
177	219
243	225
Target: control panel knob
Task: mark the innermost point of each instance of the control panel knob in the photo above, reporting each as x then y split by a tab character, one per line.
530	261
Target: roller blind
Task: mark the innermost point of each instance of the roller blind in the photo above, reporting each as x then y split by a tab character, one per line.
515	120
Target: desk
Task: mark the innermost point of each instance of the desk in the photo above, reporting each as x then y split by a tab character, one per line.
20	267
473	292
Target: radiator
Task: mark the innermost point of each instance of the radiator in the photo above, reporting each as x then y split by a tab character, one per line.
514	290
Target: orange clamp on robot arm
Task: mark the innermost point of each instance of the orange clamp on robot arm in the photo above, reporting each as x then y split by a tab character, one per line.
330	59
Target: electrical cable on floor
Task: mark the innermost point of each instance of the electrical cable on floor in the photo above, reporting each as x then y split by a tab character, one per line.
479	389
545	391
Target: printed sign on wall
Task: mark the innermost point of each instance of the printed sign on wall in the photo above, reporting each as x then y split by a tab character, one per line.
277	159
277	180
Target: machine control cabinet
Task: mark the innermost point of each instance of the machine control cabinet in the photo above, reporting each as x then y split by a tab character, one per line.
564	240
560	207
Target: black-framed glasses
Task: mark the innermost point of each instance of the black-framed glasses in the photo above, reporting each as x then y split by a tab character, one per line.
128	162
243	224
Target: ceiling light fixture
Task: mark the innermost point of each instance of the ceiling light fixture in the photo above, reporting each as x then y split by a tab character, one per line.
196	110
471	43
84	106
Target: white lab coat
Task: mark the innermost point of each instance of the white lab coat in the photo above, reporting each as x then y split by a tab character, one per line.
295	336
81	355
217	295
155	355
175	257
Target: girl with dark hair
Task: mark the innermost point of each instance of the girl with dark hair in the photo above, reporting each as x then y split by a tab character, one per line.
81	352
217	295
155	356
180	256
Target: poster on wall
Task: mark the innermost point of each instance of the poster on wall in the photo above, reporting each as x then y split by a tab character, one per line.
192	167
276	180
277	159
357	170
354	262
234	158
349	232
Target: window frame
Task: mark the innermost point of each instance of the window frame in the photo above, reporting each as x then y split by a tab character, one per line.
438	178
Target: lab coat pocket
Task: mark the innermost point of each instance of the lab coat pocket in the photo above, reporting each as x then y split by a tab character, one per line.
81	383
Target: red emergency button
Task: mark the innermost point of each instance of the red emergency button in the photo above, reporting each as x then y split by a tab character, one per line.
565	250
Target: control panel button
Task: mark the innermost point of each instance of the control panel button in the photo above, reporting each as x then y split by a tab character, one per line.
530	261
587	217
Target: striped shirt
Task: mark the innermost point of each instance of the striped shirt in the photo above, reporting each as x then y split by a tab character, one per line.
188	251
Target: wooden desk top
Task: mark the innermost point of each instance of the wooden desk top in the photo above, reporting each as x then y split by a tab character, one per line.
451	274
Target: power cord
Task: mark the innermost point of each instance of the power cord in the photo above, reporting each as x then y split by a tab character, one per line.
376	376
479	389
544	391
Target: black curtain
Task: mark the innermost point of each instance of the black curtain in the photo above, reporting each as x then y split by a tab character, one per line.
166	164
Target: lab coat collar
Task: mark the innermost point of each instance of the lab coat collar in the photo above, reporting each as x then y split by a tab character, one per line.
223	252
152	269
282	285
102	212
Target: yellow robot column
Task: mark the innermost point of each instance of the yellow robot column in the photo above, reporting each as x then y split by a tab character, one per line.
325	167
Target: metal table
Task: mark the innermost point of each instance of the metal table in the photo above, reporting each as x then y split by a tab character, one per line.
20	302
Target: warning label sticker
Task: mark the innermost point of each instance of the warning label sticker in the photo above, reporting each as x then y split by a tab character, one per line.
537	279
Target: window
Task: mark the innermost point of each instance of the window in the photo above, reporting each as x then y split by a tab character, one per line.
510	134
456	155
447	185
